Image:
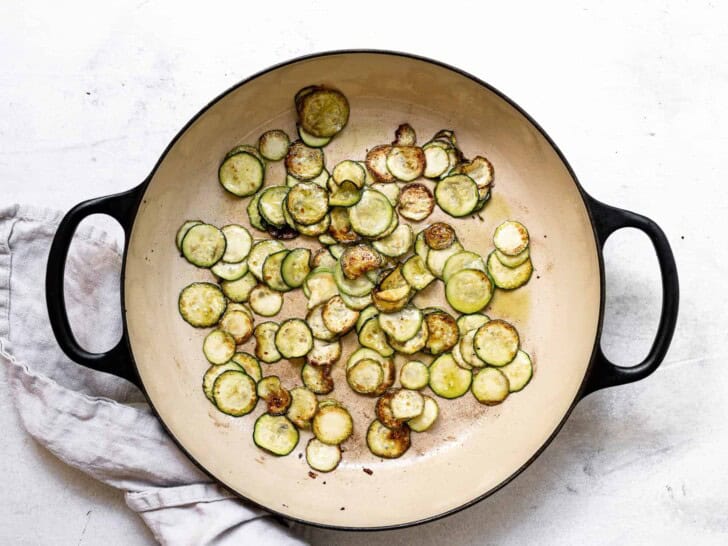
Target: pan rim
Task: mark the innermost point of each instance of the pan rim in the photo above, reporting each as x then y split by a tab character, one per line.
142	187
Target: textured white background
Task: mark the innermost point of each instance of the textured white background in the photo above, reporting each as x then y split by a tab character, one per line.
636	96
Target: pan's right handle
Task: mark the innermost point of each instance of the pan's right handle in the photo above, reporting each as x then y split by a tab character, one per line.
118	360
604	373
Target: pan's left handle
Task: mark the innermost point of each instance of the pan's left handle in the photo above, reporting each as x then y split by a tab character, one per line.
117	360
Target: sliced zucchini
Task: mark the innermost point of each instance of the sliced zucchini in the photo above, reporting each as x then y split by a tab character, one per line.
416	273
414	375
295	267
321	286
324	353
303	162
436	259
338	317
238	324
346	195
358	287
406	162
427	418
361	353
437	161
396	244
234	393
249	364
358	259
239	290
468	290
462	260
201	304
303	407
440	236
416	344
511	238
256	220
391	300
265	301
307	203
340	228
275	434
247	148
405	136
212	373
351	171
509	278
203	245
383	411
407	404
241	174
447	379
421	248
376	162
458	357
496	342
315	321
323	112
513	261
364	315
442	331
326	239
416	202
182	231
322	258
317	379
322	457
490	386
371	335
229	272
401	325
271	205
372	215
467	350
356	303
273	271
479	169
312	141
391	191
386	442
471	322
273	144
457	195
293	338
332	425
519	371
365	376
265	342
276	397
258	254
314	230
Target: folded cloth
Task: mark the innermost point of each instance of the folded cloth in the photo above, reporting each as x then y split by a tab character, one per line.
93	421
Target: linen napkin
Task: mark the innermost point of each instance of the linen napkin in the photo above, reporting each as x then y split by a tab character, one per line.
93	421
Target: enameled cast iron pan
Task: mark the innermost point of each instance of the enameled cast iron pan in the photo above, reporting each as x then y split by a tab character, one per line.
473	450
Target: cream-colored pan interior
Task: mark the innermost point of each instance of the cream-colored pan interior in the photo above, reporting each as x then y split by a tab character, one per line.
472	448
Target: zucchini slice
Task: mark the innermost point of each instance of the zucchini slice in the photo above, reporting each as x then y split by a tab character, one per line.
372	215
511	238
212	373
256	220
490	386
440	236
326	239
272	271
307	203
182	231
320	286
258	254
414	345
340	228
322	457
303	407
386	442
496	342
312	141
401	325
275	434
391	191
364	315
295	268
323	112
201	304
458	357
265	345
358	259
462	260
427	418
322	258
457	195
361	353
372	336
234	393
241	174
376	162
421	248
406	162
203	245
249	364
332	425
383	410
437	161
447	379
479	169
338	317
468	290
416	202
436	259
365	376
519	371
356	303
293	338
414	375
509	278
351	171
442	331
416	273
317	379
238	324
265	301
392	299
239	290
513	261
273	144
272	392
314	230
315	321
407	404
471	322
229	272
346	195
303	162
396	244
324	353
271	205
467	351
358	287
405	136
248	149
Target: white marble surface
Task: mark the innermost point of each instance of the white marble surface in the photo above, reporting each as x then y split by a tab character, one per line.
635	95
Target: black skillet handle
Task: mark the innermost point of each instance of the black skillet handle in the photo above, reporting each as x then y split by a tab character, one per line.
604	373
116	361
